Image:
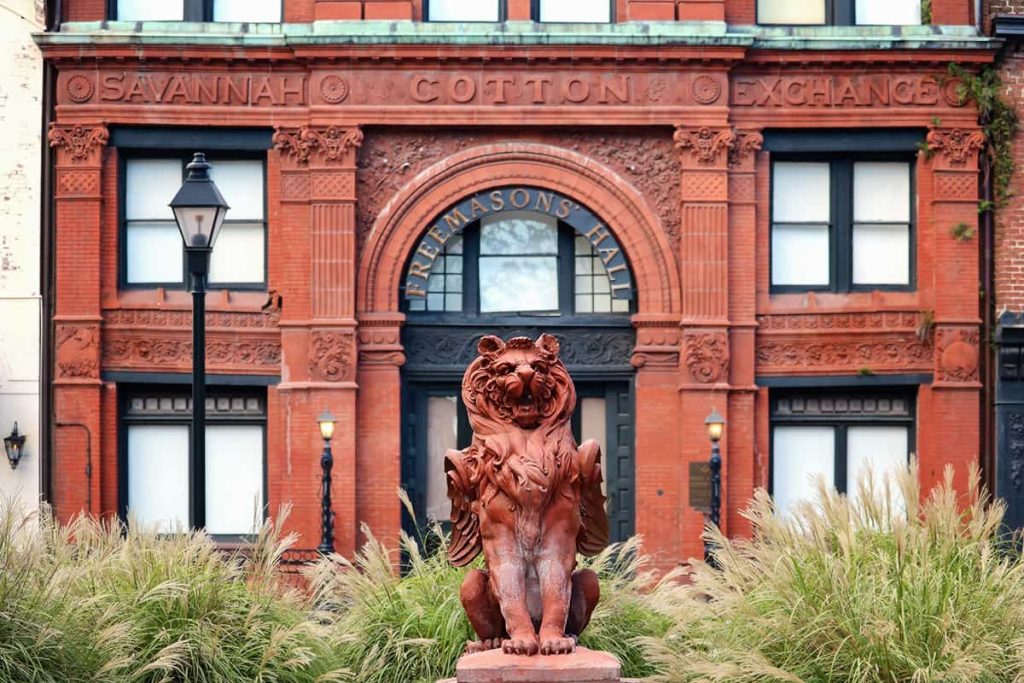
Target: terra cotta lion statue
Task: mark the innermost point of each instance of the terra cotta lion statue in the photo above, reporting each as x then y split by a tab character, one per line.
529	498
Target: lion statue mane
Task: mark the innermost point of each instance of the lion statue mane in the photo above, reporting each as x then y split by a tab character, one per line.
529	498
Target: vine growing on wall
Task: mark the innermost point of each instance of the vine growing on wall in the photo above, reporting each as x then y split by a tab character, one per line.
926	12
998	120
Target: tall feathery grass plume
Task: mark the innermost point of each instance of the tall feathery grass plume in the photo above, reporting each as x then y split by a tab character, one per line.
884	586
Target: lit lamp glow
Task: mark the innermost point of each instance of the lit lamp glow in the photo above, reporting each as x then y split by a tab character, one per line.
326	422
715	425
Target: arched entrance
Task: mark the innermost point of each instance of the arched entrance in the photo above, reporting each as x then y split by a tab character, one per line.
516	261
413	351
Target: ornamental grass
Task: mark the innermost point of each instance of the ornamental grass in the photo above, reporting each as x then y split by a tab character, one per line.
413	628
895	587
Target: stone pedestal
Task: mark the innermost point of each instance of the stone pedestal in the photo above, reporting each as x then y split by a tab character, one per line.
583	666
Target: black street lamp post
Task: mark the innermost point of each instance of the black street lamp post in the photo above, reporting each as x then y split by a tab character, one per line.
326	422
199	209
715	425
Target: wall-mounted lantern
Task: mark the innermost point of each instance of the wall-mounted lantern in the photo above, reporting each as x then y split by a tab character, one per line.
14	444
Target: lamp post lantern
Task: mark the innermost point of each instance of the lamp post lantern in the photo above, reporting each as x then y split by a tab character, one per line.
199	210
14	444
715	425
326	422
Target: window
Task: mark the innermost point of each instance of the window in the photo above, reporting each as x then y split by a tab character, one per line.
521	262
152	253
839	12
838	437
463	10
841	223
574	11
156	480
242	11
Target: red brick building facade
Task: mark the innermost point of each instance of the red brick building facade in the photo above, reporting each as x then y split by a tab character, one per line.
712	213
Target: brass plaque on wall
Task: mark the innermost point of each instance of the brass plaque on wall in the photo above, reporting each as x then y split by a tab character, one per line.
700	485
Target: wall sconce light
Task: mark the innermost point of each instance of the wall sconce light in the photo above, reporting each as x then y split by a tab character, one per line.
14	444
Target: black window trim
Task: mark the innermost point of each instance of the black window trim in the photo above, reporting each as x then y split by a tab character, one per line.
471	313
503	13
127	392
837	13
185	155
193	11
841	221
841	425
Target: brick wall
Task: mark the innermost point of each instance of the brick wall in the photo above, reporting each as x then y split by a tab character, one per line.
1009	233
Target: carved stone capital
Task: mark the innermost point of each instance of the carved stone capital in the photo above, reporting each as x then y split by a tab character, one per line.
956	354
78	143
745	146
380	341
657	344
706	145
332	145
78	351
955	146
332	355
707	356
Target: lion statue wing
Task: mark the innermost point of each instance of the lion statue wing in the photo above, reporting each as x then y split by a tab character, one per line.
465	543
593	535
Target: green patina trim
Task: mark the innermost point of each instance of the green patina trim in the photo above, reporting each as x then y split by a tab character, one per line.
526	33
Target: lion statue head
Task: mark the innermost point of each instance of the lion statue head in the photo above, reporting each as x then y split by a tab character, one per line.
520	382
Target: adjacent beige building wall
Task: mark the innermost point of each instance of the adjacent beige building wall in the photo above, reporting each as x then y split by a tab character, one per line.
21	93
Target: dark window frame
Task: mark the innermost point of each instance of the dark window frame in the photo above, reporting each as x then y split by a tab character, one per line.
503	13
837	13
841	425
193	11
124	421
841	220
535	13
471	290
122	219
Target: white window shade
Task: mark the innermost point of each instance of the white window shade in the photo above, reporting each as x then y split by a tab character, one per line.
150	185
800	193
442	434
791	11
881	254
158	476
238	256
596	11
888	12
883	450
881	192
154	253
800	255
234	479
799	456
247	10
150	10
463	10
241	183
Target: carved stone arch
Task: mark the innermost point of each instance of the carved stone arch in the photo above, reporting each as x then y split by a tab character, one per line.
409	214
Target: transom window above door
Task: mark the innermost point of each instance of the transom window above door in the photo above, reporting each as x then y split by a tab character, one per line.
518	251
839	12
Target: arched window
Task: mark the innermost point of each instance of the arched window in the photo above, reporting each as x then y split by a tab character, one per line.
537	253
